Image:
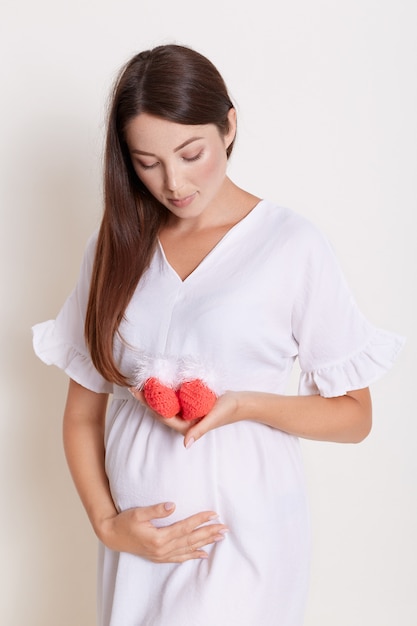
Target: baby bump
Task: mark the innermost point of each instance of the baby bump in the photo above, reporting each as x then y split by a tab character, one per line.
238	470
147	463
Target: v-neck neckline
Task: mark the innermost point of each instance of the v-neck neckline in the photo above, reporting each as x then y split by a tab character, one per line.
212	251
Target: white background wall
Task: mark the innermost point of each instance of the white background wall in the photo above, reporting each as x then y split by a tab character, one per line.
327	98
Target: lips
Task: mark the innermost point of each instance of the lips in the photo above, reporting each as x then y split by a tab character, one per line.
180	203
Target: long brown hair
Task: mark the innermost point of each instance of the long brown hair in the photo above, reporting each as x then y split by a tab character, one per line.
175	83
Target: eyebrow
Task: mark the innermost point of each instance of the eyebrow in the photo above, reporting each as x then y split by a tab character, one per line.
183	145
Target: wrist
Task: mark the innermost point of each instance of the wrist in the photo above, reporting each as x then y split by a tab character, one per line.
258	406
102	524
246	405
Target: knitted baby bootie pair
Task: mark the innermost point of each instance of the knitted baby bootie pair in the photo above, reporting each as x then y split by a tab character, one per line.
172	386
192	400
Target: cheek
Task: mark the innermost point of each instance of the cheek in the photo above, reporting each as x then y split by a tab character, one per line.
214	166
150	182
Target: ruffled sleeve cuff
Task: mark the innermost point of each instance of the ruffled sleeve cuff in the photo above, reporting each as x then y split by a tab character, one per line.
358	371
53	349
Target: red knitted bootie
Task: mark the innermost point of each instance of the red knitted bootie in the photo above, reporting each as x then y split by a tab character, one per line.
161	399
196	399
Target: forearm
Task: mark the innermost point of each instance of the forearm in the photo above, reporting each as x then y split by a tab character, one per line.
85	458
345	419
83	434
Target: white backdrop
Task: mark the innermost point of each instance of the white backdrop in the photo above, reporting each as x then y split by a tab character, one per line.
326	94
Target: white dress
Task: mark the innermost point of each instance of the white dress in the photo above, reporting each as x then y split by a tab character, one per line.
271	291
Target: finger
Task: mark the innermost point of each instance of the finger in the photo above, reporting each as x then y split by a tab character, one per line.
225	411
192	549
181	558
175	554
197	431
206	519
194	532
176	423
196	542
139	395
186	539
155	511
200	538
203	426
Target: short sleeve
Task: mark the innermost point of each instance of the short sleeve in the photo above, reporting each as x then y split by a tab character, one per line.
339	350
61	341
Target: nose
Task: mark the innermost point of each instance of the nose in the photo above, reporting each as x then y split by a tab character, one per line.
172	178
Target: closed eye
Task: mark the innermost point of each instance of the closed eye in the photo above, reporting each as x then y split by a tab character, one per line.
194	158
150	166
146	166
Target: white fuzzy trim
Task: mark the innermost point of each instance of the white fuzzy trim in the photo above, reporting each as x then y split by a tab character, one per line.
172	371
162	367
191	368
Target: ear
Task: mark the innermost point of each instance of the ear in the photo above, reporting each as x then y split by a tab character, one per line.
231	133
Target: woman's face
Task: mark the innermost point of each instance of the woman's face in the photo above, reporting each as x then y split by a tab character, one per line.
183	166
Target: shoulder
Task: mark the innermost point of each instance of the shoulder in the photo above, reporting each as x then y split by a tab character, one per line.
285	226
91	247
88	257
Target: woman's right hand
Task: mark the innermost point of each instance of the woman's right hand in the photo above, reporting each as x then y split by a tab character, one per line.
133	531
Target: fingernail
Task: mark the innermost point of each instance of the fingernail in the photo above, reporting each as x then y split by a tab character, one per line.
169	506
213	517
190	443
224	531
219	538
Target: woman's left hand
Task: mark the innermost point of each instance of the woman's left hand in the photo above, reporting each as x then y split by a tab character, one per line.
225	411
176	423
